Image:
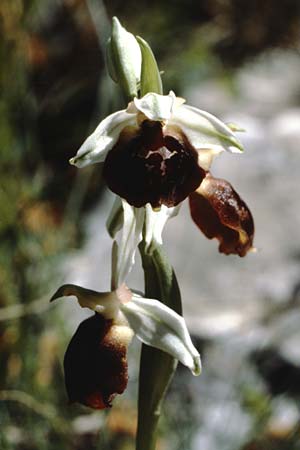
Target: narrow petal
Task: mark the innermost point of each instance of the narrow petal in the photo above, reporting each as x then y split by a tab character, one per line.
205	131
220	213
124	250
156	107
96	146
95	363
155	222
105	303
159	326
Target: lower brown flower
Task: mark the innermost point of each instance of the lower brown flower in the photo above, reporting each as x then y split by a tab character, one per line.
155	164
220	213
95	362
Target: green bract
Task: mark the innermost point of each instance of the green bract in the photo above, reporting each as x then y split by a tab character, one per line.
150	76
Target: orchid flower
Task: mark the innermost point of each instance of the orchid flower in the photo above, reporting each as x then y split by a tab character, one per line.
159	151
95	362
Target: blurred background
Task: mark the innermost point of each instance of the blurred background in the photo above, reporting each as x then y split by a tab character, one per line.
234	58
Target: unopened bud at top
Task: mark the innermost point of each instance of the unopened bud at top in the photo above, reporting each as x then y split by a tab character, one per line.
124	59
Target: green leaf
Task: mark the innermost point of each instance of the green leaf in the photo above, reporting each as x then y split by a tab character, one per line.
150	75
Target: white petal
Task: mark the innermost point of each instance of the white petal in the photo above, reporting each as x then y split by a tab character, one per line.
155	222
96	146
156	107
130	237
159	326
105	303
205	131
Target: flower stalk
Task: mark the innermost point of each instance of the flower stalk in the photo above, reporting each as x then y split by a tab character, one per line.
156	367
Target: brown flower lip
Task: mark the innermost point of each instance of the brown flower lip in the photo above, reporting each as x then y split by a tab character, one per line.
154	164
220	213
95	364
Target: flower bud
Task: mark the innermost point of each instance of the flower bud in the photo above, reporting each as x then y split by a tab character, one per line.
124	60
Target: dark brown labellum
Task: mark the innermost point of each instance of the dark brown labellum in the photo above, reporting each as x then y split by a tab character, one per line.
95	364
153	165
220	213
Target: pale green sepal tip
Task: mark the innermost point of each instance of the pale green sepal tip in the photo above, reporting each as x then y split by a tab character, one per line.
238	145
235	143
197	366
227	139
150	75
235	127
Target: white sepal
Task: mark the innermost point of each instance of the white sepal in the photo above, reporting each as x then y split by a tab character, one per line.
204	130
123	255
96	146
159	326
105	303
155	106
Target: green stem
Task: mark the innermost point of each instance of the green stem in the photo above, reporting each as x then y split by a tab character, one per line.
156	367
